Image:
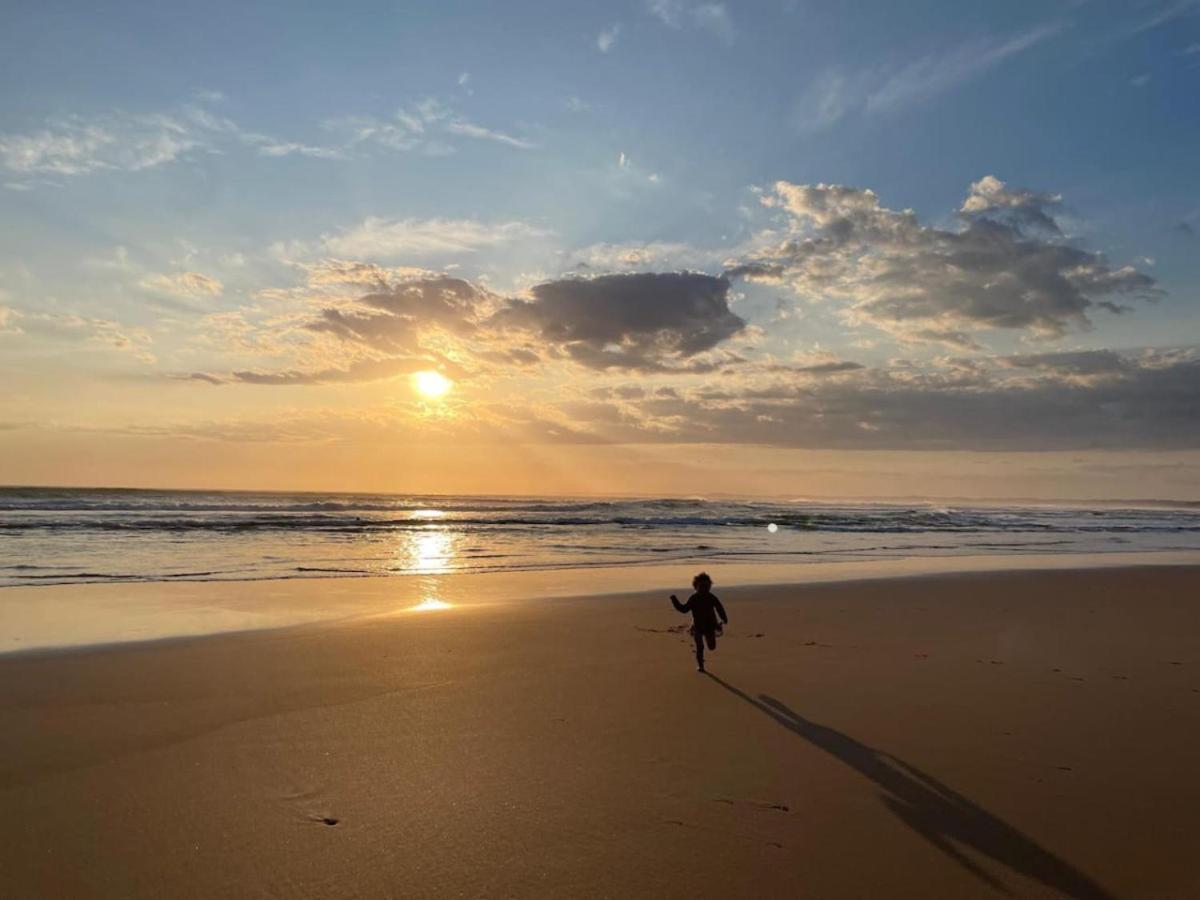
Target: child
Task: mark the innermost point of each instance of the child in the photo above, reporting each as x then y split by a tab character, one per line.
704	607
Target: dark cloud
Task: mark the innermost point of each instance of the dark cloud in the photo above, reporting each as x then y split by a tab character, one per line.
990	198
199	376
1148	401
1005	266
648	321
831	367
1082	362
391	318
363	370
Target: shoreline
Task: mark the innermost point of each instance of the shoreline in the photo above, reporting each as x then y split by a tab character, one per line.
951	734
113	615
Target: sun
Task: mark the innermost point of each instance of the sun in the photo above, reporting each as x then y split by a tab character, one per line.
430	384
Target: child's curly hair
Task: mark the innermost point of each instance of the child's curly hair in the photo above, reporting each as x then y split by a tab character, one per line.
701	579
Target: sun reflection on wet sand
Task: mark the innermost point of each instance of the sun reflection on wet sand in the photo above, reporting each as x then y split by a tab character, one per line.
429	553
430	604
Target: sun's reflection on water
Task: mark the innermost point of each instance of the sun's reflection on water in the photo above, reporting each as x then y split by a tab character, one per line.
430	552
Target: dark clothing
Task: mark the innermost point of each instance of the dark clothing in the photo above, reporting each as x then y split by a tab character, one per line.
704	609
701	637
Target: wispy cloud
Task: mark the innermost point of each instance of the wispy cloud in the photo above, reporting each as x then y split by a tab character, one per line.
184	285
75	145
73	328
1162	16
711	17
385	239
607	37
478	132
836	94
715	19
426	127
118	140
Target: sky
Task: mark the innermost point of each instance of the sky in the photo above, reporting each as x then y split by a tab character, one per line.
791	248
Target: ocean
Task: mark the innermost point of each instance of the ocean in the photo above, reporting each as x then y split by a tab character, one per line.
64	536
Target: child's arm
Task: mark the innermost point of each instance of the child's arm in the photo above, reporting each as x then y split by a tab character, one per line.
681	607
720	610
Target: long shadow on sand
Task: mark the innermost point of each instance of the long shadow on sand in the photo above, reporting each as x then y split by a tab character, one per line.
941	816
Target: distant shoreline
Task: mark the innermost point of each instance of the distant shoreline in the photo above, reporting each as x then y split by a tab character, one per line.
1065	502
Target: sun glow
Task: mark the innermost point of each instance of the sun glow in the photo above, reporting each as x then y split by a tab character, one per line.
431	385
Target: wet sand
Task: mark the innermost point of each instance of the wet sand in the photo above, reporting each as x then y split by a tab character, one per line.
969	734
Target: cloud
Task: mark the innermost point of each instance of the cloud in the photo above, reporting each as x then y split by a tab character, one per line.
362	370
478	132
837	94
184	285
607	37
74	145
119	140
426	127
669	12
381	239
992	198
70	328
711	17
270	147
715	19
1165	14
652	322
655	254
1125	401
1003	267
393	318
637	321
1075	363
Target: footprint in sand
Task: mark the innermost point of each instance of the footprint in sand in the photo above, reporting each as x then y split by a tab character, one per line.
759	804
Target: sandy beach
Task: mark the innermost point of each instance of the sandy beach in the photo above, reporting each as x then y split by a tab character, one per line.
968	734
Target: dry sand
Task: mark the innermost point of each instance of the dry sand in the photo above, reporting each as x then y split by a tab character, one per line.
1028	733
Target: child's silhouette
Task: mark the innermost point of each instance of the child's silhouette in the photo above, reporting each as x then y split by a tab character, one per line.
704	607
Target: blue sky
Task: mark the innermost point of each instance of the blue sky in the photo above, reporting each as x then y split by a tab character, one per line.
173	180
